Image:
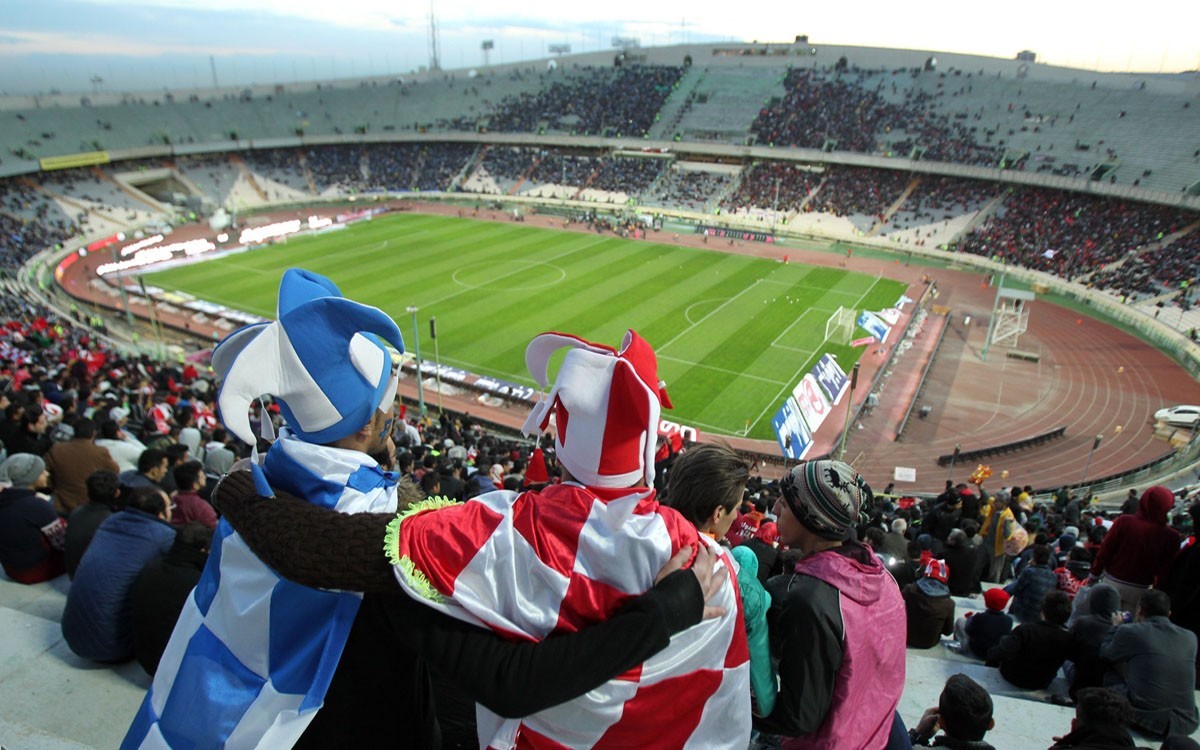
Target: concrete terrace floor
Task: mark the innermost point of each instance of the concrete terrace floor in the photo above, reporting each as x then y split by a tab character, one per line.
51	699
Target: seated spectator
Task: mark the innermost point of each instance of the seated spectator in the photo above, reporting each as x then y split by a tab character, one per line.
908	570
1073	573
187	503
70	463
1154	664
966	564
151	468
218	458
1087	635
1031	655
124	448
31	533
1031	587
963	713
979	633
177	453
895	543
97	621
1100	720
162	588
103	494
928	607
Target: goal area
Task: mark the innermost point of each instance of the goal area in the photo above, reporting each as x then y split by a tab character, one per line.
839	328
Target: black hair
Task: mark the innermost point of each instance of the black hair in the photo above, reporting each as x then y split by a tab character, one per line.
151	458
83	427
148	500
103	487
874	537
1155	603
965	708
1041	554
187	475
1056	608
429	481
175	452
195	535
1097	705
109	430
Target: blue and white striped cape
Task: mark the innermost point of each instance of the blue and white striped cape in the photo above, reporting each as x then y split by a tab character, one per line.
253	654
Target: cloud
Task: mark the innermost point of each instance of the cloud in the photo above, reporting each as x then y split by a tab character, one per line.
24	43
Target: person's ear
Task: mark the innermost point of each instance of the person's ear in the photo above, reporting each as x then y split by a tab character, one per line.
991	724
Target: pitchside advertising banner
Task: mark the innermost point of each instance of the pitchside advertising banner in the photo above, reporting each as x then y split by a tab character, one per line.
808	406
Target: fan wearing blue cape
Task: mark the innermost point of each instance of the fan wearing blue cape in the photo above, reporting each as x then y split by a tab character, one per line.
259	661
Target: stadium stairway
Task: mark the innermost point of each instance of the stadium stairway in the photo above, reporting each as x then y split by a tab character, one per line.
892	209
676	105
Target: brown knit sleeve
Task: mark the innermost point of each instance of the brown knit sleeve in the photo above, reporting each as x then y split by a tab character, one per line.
305	543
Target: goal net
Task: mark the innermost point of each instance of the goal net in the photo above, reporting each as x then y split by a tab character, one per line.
840	326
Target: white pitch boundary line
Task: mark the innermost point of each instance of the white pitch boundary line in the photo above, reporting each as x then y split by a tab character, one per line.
823	290
785	331
721	369
771	403
716	310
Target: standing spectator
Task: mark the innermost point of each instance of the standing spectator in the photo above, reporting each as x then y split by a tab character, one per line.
188	505
965	565
103	492
162	588
998	524
1155	667
1099	724
71	463
1031	655
835	621
1031	587
980	632
895	544
929	610
963	713
1137	551
97	621
1130	506
31	533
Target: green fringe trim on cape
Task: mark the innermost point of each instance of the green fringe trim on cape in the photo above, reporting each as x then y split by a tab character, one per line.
391	547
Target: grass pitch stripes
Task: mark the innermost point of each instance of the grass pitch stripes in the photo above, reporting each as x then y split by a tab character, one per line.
734	332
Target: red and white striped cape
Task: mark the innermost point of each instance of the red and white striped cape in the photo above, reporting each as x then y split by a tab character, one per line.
531	564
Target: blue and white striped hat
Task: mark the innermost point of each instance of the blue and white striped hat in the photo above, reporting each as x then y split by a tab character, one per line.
324	361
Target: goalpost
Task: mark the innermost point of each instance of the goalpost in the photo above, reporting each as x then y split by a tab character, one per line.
840	326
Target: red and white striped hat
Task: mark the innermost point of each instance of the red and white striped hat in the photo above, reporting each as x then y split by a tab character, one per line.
605	404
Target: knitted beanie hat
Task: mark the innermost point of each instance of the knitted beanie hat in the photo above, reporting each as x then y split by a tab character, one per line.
826	496
996	599
324	360
605	404
23	469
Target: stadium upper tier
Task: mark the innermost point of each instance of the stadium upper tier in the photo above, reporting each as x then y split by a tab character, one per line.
1137	130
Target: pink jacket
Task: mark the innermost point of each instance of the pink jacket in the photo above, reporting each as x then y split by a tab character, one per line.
868	685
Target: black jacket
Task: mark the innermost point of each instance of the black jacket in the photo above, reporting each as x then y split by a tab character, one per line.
966	565
984	631
159	593
1097	737
382	687
1031	655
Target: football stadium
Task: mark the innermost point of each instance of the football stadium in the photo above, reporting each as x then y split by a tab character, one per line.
965	281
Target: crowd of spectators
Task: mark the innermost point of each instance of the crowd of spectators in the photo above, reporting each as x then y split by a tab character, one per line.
620	101
853	191
837	110
940	198
1069	234
690	189
1172	269
626	175
772	185
133	527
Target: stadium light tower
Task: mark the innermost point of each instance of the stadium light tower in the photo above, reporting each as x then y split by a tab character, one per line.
417	346
434	64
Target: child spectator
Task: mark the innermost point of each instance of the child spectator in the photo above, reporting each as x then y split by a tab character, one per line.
979	633
1031	655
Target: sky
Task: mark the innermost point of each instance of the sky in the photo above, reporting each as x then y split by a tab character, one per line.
122	45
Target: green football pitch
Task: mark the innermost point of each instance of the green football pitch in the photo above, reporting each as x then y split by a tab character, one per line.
734	334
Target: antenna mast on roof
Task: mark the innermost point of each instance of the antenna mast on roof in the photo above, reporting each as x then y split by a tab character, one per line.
434	65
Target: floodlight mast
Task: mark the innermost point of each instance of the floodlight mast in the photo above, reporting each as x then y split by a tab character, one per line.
434	64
